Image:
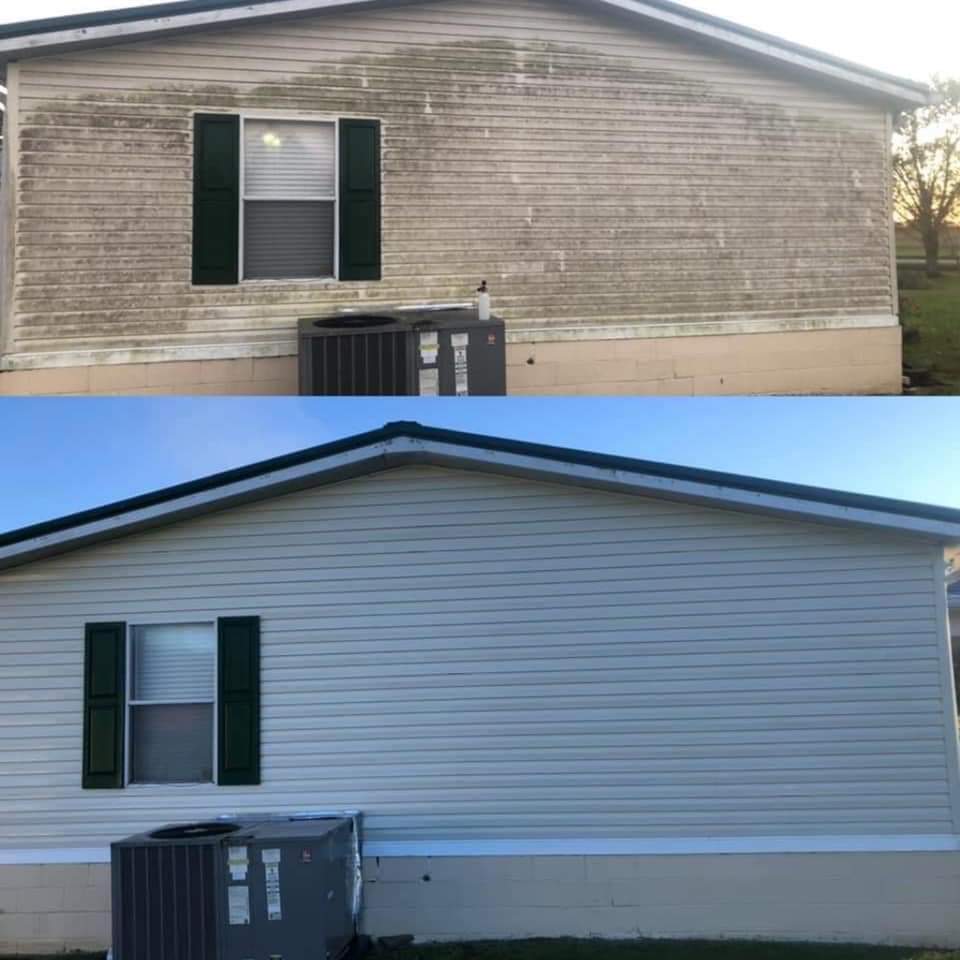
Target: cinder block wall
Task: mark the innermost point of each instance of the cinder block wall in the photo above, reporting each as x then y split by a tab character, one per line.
858	361
51	907
899	898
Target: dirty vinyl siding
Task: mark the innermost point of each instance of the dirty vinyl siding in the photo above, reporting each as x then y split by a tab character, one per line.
464	656
595	171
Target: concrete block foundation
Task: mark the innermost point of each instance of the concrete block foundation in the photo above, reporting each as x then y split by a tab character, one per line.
808	362
895	898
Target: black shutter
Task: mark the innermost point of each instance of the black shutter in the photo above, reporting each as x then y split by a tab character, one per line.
238	722
104	677
216	197
360	200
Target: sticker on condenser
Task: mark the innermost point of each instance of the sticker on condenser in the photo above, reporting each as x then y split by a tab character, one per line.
429	348
460	368
273	891
430	382
238	905
237	863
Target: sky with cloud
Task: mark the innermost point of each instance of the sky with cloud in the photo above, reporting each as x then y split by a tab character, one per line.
60	456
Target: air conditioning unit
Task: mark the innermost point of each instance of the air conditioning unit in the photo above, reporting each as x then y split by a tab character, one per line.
444	352
278	887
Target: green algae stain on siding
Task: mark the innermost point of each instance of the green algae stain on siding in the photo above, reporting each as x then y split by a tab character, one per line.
590	182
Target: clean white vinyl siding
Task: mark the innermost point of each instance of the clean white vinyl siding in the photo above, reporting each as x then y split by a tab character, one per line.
463	656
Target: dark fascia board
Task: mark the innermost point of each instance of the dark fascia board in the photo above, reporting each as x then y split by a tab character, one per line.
944	523
102	18
899	90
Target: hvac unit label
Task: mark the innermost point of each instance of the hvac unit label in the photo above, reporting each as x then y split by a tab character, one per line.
237	863
430	382
271	867
238	903
429	348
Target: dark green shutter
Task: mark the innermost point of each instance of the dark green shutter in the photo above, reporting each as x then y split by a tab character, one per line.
238	722
104	677
216	197
360	200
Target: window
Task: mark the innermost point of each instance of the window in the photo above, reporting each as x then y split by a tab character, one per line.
171	706
285	199
171	703
289	199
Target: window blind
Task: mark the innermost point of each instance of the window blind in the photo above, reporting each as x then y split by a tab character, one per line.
287	239
174	662
289	160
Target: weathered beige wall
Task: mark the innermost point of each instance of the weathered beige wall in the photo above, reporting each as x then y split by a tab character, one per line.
811	362
907	898
593	170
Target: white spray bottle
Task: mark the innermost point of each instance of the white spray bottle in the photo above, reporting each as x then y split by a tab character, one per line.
483	301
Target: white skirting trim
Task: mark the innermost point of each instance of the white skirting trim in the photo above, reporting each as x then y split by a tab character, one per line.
653	329
568	848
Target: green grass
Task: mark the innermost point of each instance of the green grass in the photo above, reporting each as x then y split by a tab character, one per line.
910	246
653	950
931	325
628	950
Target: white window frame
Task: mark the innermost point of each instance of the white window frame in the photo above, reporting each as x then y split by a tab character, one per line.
291	118
130	703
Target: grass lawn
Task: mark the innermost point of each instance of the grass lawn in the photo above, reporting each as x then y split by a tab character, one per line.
632	950
931	329
910	246
654	950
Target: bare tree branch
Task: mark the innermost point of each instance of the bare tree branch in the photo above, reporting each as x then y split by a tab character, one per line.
926	166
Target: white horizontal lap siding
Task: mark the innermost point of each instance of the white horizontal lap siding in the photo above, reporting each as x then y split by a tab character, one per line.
470	657
594	171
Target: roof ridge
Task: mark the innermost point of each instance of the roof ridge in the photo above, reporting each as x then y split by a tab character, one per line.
667	8
415	430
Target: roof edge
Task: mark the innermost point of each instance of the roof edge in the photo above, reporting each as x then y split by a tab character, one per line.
379	449
51	34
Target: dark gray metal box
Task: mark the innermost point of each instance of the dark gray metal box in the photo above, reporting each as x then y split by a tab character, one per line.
244	890
427	352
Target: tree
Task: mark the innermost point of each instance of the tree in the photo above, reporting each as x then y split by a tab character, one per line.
926	166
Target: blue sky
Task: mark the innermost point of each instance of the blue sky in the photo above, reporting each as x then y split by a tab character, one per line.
60	456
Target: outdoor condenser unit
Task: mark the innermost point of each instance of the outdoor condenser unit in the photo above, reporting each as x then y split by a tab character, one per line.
241	890
427	352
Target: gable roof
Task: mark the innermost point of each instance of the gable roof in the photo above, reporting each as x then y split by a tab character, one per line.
406	443
40	37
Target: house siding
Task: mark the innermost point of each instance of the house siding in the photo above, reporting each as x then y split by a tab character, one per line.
596	171
467	657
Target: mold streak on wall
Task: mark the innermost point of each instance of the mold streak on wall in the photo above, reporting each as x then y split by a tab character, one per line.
594	171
